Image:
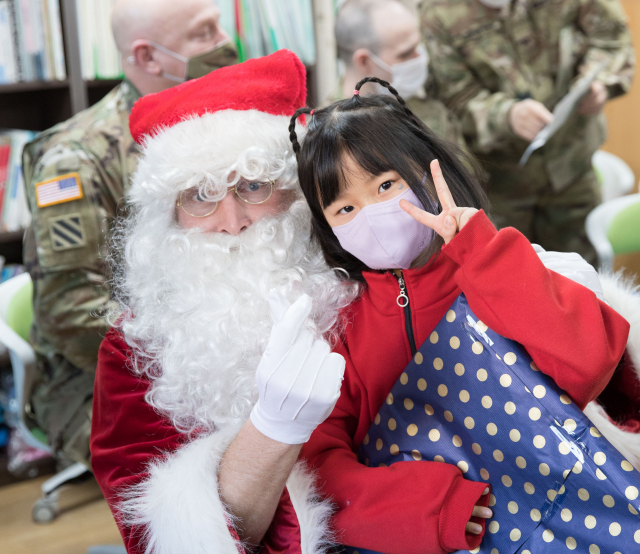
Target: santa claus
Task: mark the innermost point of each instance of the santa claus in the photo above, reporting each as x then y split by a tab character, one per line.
218	367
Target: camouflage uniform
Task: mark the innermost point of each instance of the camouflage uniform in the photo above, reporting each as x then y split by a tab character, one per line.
433	113
64	252
485	60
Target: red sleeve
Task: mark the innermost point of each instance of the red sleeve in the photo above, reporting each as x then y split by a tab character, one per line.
126	433
572	336
406	508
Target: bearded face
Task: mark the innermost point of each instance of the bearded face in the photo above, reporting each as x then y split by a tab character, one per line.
193	302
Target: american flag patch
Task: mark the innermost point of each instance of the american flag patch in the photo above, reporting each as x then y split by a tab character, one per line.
56	191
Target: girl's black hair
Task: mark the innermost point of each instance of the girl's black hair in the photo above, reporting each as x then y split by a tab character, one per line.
380	134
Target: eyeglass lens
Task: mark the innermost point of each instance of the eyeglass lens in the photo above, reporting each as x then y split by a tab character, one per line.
198	205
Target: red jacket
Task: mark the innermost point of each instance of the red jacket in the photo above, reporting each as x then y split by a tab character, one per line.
423	507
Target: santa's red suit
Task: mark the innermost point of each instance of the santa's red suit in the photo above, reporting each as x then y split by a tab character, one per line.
176	381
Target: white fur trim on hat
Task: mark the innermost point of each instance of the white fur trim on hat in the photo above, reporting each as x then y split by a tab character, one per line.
253	143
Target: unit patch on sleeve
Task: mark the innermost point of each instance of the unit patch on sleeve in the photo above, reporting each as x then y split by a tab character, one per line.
66	232
56	191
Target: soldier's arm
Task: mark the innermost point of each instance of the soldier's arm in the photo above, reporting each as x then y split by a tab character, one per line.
484	115
604	23
72	210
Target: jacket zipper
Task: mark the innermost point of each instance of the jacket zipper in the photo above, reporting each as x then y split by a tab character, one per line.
403	302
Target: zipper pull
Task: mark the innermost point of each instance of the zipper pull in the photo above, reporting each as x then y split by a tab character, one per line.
403	299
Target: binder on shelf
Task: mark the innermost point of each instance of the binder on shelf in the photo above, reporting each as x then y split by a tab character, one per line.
14	210
261	27
31	47
99	56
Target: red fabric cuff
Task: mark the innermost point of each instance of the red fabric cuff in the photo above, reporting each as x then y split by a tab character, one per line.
456	513
235	536
474	235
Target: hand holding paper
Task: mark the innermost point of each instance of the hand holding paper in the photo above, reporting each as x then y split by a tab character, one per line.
595	99
564	109
528	117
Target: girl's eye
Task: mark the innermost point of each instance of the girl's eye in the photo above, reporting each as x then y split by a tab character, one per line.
346	210
385	186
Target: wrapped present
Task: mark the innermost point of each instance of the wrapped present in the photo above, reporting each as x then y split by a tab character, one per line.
474	399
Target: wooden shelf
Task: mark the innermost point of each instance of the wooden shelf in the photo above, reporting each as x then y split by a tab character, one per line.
11	236
11	246
103	83
29	86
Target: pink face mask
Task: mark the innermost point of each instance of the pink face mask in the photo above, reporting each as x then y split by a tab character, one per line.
384	236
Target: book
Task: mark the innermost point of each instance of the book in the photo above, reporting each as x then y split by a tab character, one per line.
31	44
5	154
7	56
14	214
100	58
264	26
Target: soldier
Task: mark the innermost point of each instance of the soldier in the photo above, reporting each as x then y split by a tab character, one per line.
76	175
501	66
381	38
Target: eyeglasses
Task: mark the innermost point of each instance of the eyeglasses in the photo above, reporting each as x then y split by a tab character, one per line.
251	192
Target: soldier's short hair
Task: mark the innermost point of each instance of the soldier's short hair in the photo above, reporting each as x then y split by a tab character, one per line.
354	28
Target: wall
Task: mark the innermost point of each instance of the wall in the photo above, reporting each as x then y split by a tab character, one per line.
623	113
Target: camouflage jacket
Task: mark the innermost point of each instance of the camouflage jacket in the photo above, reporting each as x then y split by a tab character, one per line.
485	60
76	174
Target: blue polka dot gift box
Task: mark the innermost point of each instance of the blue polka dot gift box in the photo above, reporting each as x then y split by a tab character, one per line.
474	399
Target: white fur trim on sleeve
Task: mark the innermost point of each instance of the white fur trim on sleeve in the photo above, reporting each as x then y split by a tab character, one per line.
628	444
623	295
312	512
178	506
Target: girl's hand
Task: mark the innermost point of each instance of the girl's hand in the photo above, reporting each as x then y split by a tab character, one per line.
451	220
479	511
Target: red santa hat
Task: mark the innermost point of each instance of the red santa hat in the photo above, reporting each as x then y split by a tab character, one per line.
234	119
274	84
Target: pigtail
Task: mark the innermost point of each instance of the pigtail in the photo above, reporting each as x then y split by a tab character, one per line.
292	128
391	89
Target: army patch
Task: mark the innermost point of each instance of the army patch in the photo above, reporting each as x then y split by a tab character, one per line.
56	191
66	232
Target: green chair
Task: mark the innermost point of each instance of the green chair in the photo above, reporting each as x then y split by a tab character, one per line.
16	316
614	228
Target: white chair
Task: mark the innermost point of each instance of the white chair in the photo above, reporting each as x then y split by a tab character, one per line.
599	222
23	364
615	176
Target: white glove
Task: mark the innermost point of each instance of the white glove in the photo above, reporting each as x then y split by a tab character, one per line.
298	378
572	266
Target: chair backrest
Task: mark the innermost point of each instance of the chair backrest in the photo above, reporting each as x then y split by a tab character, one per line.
16	315
615	176
624	231
19	315
601	229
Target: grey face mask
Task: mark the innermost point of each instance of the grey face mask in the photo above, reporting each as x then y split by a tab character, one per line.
221	55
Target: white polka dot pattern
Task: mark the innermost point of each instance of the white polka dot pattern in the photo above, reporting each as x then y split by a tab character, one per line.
490	411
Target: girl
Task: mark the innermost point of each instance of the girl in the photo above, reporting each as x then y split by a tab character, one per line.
418	237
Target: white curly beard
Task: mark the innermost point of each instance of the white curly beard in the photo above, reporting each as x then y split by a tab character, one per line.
196	310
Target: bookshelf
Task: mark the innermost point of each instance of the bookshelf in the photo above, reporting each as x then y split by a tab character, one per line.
39	105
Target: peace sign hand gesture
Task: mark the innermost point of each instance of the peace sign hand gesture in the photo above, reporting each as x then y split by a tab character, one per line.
451	220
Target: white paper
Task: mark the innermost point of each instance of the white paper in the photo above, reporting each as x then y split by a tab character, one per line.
561	112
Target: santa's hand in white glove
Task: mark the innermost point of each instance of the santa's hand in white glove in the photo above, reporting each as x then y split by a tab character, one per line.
298	378
572	266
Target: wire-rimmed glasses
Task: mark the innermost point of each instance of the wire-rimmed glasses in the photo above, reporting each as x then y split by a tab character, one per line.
251	192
